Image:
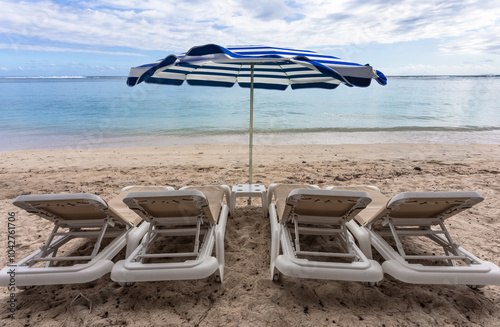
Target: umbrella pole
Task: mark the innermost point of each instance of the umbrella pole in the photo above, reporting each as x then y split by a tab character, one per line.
251	130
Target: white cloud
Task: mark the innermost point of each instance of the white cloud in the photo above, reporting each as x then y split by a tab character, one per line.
464	69
25	47
466	26
480	42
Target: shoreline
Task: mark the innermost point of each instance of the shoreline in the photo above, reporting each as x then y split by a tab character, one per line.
102	140
239	155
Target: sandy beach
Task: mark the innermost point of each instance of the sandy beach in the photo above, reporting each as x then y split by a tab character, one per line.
248	297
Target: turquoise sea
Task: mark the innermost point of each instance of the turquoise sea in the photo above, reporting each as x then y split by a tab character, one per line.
89	112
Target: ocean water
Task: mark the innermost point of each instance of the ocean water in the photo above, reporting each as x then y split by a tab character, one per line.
78	112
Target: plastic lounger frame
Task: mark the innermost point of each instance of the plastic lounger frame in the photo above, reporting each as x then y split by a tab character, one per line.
200	263
97	264
475	272
287	234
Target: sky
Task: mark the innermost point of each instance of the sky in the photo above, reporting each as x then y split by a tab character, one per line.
107	37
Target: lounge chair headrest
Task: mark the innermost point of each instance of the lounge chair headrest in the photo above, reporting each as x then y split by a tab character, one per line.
73	206
430	204
327	203
164	204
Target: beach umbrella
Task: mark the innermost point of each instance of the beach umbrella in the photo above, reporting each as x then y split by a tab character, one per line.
255	67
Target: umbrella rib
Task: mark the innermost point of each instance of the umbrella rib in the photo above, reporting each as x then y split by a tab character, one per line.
284	72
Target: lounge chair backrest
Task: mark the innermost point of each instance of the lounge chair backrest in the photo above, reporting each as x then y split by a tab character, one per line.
214	195
119	207
74	206
414	204
429	204
325	203
281	192
168	204
378	204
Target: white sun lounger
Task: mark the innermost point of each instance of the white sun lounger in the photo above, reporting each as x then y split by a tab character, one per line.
198	212
421	214
77	215
306	210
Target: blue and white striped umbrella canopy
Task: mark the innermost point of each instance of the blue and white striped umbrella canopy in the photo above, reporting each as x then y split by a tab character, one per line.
274	68
255	67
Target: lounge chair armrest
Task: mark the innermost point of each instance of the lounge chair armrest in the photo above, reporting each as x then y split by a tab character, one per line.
270	192
227	193
220	233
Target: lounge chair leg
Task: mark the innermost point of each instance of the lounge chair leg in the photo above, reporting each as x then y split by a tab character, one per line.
54	254
97	245
453	247
372	284
126	284
276	276
46	247
399	245
219	273
148	238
